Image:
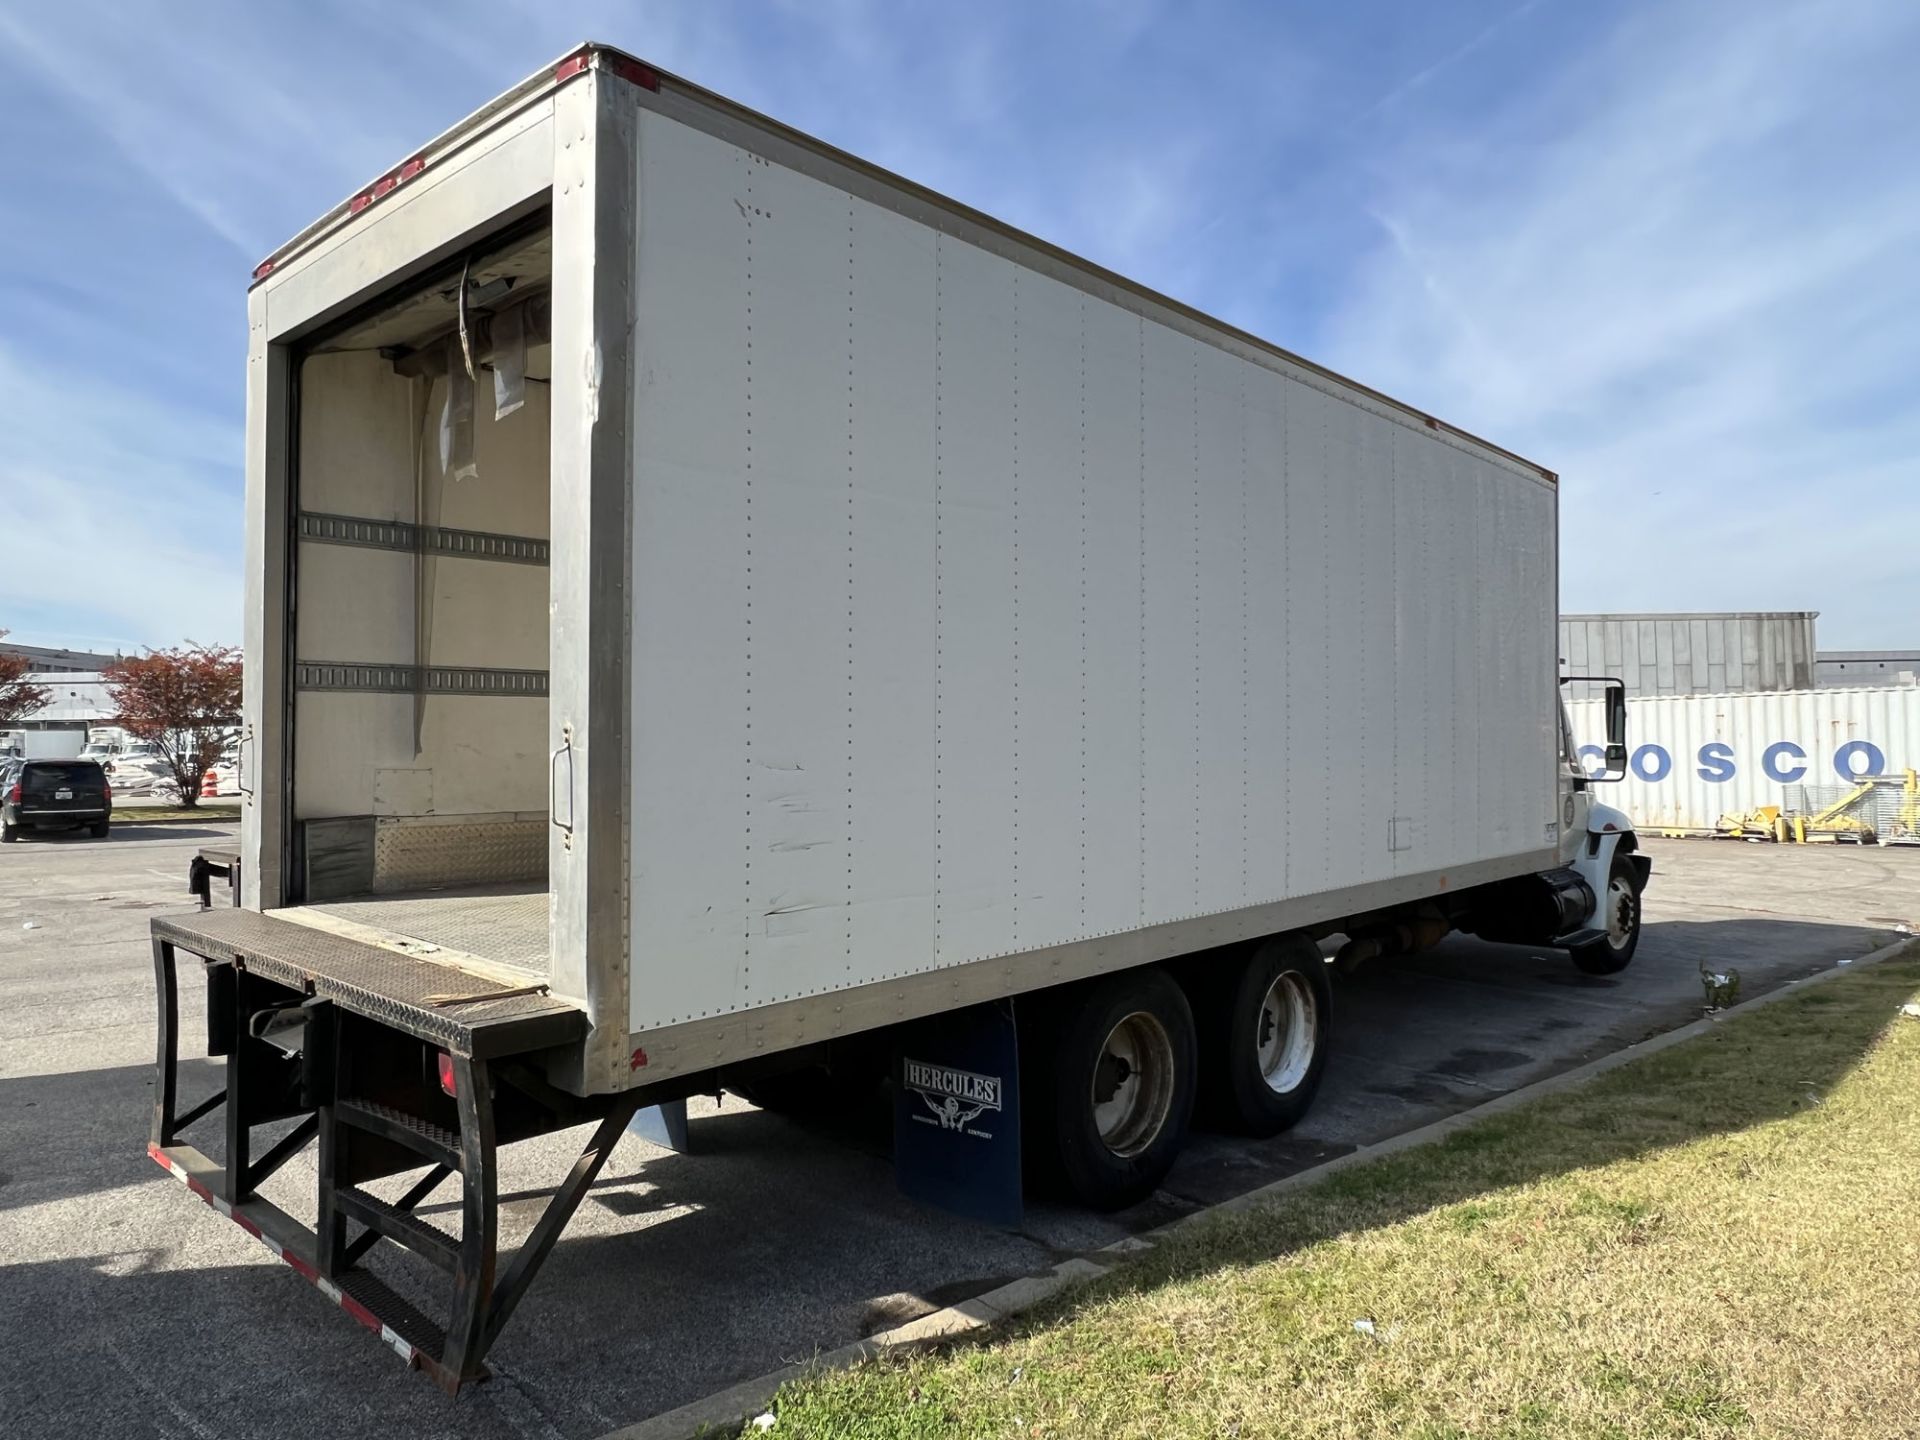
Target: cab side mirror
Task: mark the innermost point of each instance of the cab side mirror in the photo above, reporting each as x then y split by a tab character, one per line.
1617	728
1615	696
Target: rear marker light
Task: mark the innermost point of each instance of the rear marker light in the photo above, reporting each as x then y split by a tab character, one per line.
446	1073
386	184
263	269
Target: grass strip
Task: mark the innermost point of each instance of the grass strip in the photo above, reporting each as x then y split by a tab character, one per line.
1723	1238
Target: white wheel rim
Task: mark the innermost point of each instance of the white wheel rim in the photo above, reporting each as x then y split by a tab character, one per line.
1132	1088
1288	1032
1619	913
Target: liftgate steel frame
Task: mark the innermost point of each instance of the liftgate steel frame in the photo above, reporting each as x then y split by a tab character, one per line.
279	1023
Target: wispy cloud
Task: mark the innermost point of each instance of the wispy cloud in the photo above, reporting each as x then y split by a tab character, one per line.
1661	247
119	520
1428	71
1678	274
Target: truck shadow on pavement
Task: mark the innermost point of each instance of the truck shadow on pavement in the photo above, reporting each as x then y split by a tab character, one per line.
124	831
773	1242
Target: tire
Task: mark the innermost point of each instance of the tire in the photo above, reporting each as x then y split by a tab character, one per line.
1128	1038
1620	914
8	833
100	829
1264	1026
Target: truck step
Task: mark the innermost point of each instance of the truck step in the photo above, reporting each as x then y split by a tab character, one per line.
394	1311
402	1227
436	1142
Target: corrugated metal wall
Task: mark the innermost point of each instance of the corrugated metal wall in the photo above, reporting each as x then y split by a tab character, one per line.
1695	758
1693	654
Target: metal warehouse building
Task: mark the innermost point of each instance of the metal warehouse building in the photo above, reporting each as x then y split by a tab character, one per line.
1694	654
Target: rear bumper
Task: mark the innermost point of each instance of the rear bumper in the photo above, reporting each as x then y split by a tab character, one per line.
34	817
290	1241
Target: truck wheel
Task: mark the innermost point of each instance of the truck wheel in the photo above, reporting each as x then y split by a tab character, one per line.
1619	917
1116	1088
1264	1027
8	833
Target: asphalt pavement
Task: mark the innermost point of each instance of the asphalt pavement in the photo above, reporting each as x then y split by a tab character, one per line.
131	1309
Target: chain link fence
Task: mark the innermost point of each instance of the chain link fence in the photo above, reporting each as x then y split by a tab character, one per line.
1886	806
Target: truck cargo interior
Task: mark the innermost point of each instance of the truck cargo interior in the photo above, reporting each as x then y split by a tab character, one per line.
421	615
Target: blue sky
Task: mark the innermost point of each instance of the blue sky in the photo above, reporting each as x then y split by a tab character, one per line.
1669	249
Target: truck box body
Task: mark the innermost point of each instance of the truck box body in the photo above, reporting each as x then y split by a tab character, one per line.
867	610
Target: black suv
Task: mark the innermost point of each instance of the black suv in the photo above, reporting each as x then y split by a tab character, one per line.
53	795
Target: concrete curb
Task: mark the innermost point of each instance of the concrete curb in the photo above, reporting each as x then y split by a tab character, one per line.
725	1411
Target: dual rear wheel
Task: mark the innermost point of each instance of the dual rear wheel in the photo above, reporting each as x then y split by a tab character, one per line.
1116	1069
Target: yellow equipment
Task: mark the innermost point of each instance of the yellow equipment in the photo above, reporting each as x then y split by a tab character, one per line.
1766	823
1832	825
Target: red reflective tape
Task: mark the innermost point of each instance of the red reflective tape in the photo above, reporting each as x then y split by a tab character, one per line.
197	1188
634	72
359	1312
639	1058
571	66
305	1270
245	1224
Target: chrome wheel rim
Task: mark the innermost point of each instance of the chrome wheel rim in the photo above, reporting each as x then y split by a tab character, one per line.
1132	1090
1619	913
1288	1032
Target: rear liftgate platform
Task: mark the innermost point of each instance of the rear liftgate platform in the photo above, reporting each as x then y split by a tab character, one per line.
359	1046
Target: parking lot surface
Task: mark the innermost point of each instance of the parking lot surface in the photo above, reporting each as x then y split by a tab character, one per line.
131	1309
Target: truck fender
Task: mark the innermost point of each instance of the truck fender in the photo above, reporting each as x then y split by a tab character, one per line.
1608	831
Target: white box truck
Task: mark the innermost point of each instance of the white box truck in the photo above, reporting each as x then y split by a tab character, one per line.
721	615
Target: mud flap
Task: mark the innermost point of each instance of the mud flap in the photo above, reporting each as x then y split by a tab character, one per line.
664	1125
956	1113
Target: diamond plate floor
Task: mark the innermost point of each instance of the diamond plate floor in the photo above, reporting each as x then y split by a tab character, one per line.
506	924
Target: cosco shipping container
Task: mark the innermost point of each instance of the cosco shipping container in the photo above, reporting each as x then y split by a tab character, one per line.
718	612
1698	758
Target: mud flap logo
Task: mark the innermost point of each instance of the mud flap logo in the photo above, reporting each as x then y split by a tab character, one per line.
954	1098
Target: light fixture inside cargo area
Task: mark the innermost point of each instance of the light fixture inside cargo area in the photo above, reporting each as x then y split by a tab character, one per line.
482	295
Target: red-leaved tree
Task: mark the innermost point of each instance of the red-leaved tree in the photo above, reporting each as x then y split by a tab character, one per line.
18	698
185	700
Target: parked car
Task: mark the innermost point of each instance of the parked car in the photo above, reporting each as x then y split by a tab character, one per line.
138	769
54	795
